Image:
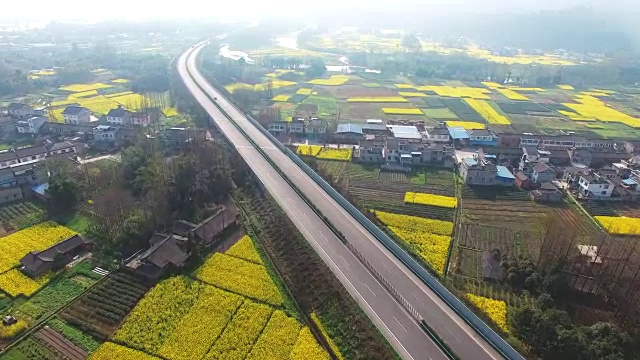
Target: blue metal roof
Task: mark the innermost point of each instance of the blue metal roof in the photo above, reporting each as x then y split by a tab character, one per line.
458	132
349	128
470	161
503	172
629	182
41	189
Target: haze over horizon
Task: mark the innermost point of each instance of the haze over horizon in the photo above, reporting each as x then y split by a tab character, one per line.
78	10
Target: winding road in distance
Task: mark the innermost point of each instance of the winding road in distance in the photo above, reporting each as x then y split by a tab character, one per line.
397	325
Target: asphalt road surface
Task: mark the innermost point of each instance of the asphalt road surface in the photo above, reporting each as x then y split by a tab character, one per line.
395	323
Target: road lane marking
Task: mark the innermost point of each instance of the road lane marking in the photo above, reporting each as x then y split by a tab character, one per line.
347	263
405	330
374	294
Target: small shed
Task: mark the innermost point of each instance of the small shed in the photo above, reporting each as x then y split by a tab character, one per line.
547	193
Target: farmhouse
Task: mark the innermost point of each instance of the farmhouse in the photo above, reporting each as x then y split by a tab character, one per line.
542	173
317	129
75	114
439	134
371	151
19	110
59	255
483	137
204	233
165	252
547	193
594	186
30	125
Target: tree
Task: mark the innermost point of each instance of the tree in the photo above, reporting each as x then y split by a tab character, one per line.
316	68
63	188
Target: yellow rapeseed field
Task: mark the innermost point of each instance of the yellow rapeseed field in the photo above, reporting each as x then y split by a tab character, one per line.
590	107
412	94
402	111
496	310
36	238
620	225
467	125
488	112
304	91
430	199
111	351
309	150
307	348
511	95
201	326
492	85
343	154
85	87
281	98
158	313
120	81
98	104
239	276
62	103
334	80
82	94
9	332
15	283
428	238
565	87
245	249
277	339
131	101
378	99
241	333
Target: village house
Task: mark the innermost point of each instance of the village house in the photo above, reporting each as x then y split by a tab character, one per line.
439	134
120	116
74	114
542	173
572	174
296	128
522	181
480	171
317	130
278	128
371	151
166	252
207	231
484	137
594	186
30	125
19	110
26	154
547	192
36	264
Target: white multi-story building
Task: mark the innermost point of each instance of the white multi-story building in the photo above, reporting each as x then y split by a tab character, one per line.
30	126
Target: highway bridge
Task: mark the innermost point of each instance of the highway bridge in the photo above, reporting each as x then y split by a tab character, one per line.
390	293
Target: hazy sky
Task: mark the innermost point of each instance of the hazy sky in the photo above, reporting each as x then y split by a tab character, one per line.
143	9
